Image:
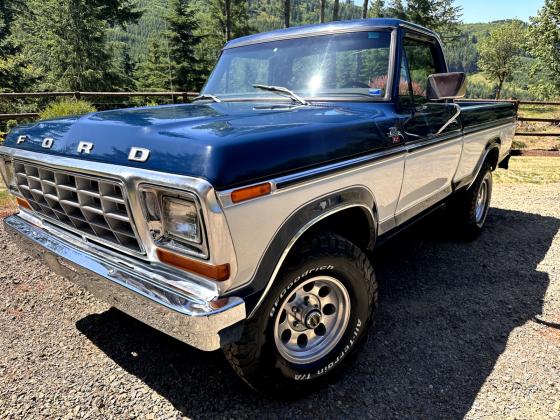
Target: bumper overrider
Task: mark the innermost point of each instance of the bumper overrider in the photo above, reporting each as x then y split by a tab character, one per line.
132	286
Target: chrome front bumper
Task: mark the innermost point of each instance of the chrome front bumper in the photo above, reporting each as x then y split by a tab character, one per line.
195	318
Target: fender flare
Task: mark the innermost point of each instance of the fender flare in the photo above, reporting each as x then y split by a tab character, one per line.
492	145
294	227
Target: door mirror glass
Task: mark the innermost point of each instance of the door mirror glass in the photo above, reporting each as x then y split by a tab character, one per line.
446	86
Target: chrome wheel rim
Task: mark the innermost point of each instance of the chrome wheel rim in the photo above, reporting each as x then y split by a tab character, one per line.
481	202
312	320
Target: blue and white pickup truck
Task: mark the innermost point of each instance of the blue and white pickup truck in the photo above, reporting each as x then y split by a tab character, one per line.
245	220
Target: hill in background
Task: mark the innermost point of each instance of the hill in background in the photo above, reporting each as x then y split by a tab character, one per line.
150	26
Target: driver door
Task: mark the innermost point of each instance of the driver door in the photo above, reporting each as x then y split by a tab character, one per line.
432	157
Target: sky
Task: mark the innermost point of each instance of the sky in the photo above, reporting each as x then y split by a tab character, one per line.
490	10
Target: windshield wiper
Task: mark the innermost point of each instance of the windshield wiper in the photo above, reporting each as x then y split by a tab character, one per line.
283	91
207	96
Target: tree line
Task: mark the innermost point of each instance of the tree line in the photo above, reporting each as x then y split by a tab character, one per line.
88	45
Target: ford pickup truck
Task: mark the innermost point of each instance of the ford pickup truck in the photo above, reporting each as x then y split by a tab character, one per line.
245	220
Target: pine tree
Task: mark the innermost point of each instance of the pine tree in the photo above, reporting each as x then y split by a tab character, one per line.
7	11
365	9
336	10
421	12
155	73
67	40
215	27
377	9
183	42
129	67
439	15
231	17
396	10
117	12
124	67
322	4
17	74
287	13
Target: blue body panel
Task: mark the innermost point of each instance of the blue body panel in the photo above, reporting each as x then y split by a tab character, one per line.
229	144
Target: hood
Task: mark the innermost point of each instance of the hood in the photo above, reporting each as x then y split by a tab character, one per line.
228	144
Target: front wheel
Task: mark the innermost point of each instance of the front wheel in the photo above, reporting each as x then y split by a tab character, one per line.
312	320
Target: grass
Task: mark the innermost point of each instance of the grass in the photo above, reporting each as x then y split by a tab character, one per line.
5	198
539	111
7	201
530	170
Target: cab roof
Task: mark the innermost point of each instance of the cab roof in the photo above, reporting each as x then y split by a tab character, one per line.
330	27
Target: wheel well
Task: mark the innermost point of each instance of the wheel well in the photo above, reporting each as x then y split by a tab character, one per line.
354	224
493	156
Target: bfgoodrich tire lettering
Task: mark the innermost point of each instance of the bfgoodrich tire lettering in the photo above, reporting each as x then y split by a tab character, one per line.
257	358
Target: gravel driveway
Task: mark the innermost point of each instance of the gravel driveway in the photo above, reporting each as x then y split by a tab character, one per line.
464	330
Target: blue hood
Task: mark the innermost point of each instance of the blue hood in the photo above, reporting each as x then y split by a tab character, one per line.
228	144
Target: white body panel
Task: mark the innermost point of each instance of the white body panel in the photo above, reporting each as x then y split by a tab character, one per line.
474	145
251	235
428	171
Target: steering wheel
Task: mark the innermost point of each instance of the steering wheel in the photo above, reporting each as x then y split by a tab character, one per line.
355	84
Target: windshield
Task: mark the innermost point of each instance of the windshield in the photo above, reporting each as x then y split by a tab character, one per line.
352	65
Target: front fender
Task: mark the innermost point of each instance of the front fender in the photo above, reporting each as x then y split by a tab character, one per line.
294	227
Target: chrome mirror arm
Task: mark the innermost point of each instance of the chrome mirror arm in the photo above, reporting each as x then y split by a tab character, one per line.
452	119
447	124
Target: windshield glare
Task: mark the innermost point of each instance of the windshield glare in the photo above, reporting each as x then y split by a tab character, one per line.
354	64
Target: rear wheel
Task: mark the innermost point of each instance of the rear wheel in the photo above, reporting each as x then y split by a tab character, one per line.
312	320
470	208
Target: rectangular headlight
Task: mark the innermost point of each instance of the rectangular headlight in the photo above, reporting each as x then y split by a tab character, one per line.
174	220
181	220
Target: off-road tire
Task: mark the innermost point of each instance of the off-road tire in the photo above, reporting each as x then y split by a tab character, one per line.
255	357
464	205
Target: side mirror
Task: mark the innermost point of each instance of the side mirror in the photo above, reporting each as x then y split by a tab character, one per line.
446	86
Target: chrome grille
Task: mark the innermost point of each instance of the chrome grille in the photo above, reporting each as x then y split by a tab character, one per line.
94	207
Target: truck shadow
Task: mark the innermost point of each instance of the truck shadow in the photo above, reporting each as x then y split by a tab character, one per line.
447	309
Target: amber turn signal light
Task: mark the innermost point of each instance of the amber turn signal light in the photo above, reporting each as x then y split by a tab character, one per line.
23	203
244	194
214	272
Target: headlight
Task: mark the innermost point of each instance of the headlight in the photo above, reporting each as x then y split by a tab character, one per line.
7	171
181	219
174	220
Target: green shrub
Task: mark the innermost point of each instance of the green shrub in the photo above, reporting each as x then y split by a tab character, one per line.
10	124
66	107
518	144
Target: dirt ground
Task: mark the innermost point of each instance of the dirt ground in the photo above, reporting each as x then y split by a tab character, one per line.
464	330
